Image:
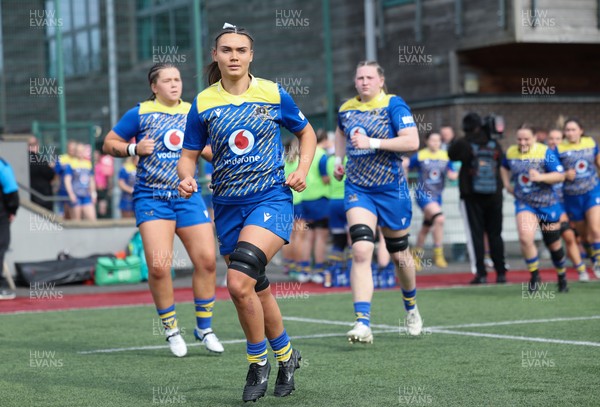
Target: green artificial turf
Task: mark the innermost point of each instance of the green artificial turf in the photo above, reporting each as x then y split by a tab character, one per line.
42	363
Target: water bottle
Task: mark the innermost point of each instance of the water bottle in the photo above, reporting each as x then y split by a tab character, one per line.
327	281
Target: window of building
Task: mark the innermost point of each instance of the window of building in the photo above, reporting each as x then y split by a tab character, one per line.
393	3
162	24
80	29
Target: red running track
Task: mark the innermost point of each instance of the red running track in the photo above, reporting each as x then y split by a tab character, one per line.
280	289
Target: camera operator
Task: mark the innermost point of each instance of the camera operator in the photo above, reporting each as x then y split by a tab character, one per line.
481	190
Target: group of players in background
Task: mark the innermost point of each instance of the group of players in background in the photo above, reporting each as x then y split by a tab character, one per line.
320	216
564	204
355	196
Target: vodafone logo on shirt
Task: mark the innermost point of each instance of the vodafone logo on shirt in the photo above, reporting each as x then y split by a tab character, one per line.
434	175
173	139
581	166
524	181
241	141
357	130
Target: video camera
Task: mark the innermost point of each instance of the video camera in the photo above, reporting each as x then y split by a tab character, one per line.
493	126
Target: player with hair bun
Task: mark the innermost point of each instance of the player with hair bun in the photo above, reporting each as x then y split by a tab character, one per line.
240	116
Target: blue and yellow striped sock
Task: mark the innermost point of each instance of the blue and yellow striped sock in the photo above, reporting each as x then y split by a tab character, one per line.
335	256
362	310
257	352
319	267
287	265
596	252
282	347
587	251
581	268
204	311
168	317
304	266
409	298
533	264
559	260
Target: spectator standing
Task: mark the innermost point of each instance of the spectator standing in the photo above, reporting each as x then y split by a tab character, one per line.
9	203
41	174
481	194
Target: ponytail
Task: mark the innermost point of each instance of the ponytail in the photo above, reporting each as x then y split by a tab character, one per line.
213	73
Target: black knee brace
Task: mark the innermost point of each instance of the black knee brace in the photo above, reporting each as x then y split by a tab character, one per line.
429	222
550	236
248	259
361	232
396	244
564	226
558	256
261	283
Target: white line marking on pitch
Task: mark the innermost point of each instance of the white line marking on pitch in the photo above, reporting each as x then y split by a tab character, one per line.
232	341
399	329
473	325
445	329
516	322
517	338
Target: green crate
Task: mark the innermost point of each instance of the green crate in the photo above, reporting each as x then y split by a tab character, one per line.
110	270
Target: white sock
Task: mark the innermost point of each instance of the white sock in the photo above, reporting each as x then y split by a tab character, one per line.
204	331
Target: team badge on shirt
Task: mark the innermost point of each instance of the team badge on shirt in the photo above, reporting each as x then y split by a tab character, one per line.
262	112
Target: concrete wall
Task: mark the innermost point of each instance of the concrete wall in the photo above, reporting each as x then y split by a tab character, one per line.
41	235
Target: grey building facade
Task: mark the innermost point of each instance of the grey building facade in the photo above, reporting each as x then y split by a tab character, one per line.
534	61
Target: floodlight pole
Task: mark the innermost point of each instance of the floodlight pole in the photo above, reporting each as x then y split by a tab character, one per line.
198	48
330	123
62	112
113	82
370	34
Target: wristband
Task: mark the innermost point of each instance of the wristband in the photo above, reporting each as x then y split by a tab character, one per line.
132	150
374	143
338	161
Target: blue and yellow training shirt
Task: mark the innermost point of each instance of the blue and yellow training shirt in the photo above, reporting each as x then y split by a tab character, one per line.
244	134
541	158
582	158
382	118
166	126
